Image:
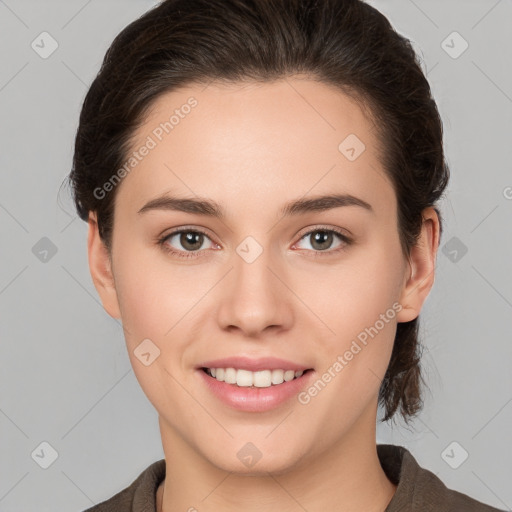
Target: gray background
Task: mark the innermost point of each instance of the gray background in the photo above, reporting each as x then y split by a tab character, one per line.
65	376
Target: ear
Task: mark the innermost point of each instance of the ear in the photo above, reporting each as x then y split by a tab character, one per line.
100	267
422	263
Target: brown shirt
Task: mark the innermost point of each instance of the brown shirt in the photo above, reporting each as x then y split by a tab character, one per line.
418	490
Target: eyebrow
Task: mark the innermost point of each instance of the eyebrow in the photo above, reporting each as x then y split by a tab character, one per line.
210	208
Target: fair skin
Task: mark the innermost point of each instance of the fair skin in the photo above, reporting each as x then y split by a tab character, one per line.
251	149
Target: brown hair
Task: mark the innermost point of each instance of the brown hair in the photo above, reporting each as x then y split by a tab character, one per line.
345	43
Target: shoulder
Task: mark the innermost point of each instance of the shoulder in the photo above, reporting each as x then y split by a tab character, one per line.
139	496
418	489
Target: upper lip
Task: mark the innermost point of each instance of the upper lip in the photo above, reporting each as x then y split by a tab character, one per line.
254	365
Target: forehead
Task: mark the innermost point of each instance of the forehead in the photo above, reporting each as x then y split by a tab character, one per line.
253	139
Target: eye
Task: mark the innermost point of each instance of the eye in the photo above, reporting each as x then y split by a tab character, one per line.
321	239
190	240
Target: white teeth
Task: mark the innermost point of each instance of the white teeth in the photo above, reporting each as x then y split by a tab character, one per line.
244	378
230	376
259	379
277	376
262	379
289	375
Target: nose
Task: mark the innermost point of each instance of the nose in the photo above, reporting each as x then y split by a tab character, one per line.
255	297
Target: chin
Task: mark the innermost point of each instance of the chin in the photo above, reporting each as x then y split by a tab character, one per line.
251	461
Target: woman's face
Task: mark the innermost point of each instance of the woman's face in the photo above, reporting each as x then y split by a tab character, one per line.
321	284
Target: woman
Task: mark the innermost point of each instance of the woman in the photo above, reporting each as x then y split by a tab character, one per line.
260	179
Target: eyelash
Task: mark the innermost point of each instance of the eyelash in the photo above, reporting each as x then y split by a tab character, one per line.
192	254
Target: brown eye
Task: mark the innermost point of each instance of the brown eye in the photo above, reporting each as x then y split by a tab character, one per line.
191	240
185	241
323	239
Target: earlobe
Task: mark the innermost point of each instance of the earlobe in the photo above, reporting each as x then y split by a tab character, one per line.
422	262
101	269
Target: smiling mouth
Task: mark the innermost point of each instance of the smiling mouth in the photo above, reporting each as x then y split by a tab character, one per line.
259	379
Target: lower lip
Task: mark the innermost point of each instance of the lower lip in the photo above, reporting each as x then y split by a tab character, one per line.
255	399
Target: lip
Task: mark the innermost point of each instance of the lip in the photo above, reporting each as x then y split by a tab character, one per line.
248	399
253	365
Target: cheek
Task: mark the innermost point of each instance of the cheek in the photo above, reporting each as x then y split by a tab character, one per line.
158	302
153	307
153	294
361	307
354	294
